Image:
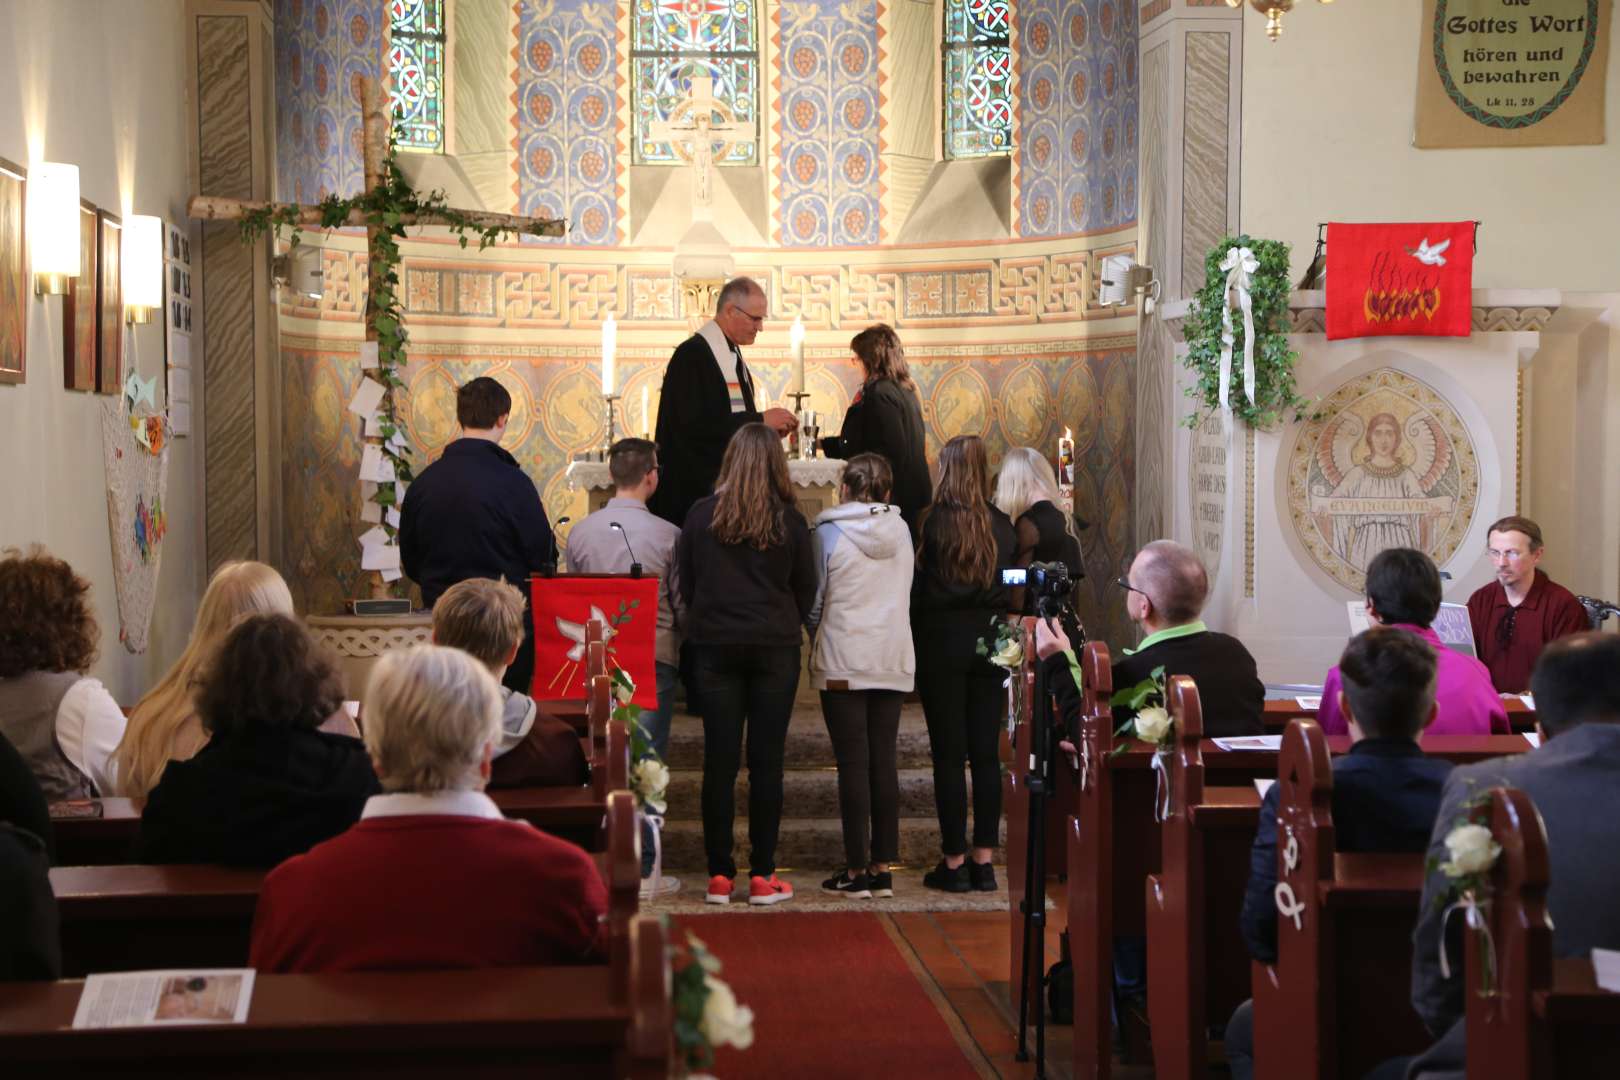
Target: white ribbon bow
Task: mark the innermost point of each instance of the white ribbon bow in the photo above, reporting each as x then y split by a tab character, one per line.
1289	906
1161	794
657	823
1238	265
1474	919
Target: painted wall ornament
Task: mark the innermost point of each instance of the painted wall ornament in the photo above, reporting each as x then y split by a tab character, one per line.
1385	463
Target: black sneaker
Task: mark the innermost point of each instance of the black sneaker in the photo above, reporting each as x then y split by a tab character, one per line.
945	879
858	887
982	876
882	883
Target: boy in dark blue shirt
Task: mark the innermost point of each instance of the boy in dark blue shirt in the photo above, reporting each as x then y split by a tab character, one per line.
1386	791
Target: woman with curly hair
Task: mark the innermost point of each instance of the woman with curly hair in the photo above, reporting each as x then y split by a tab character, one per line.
268	784
955	594
748	577
163	726
886	418
64	723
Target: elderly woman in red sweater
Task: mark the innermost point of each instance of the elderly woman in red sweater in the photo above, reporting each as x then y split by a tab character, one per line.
432	876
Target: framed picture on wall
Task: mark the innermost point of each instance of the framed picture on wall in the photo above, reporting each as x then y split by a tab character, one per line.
109	306
13	274
79	309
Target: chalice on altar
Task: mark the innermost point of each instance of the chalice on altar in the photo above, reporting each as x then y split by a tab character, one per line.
809	428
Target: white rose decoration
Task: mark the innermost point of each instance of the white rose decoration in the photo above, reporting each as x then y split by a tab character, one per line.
1471	849
1152	724
649	779
725	1023
623	691
1010	655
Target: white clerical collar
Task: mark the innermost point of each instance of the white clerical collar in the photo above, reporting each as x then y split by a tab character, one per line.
447	803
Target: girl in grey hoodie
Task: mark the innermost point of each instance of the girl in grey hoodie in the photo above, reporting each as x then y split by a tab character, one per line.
863	664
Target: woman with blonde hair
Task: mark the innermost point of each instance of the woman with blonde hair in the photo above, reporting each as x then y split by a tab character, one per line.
886	418
163	726
748	578
956	593
1027	492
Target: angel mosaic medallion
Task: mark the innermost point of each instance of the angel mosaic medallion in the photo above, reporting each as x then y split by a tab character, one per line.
1386	463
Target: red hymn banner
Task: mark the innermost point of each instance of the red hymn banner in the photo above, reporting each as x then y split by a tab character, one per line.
628	610
1397	279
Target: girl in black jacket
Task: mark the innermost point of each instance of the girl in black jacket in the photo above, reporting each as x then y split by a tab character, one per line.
748	576
886	418
955	593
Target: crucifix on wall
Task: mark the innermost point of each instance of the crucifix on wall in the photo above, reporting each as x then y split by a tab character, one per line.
694	133
379	234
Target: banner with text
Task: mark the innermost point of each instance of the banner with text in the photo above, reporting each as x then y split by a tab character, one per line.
1512	72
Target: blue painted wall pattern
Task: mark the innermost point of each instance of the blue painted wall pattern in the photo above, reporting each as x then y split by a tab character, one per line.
323	49
566	118
1078	97
827	170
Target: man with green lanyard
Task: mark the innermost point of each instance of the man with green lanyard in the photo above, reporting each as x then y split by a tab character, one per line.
1165	591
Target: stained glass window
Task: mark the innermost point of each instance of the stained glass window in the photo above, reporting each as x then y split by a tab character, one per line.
416	71
673	40
978	78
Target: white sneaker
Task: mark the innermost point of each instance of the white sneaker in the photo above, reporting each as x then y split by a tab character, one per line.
667	886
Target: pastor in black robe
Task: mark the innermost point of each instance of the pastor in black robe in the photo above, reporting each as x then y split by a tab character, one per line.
695	422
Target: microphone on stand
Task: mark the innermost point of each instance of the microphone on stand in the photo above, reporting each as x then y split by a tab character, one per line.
550	567
635	567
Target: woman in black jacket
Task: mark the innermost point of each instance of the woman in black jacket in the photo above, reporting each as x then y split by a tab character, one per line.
886	418
268	785
748	576
1027	492
955	594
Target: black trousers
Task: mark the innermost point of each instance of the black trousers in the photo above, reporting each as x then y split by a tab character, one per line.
744	689
864	725
965	711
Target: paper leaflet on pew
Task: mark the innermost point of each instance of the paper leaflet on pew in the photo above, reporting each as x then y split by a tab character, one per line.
1606	966
1250	742
163	998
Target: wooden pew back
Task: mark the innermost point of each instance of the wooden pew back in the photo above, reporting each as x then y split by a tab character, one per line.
130	918
1090	836
549	1022
1546	1017
1336	1002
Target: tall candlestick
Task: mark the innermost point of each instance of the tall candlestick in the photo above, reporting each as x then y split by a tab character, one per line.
646	418
797	339
610	335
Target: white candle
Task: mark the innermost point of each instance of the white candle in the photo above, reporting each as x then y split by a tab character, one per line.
610	333
797	338
646	417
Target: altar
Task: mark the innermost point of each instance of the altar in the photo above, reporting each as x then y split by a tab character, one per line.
815	483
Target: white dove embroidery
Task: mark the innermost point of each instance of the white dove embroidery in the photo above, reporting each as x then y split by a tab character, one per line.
575	632
1430	256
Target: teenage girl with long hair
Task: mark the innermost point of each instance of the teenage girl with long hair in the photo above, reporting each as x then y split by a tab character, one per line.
886	418
965	542
748	577
164	725
1027	492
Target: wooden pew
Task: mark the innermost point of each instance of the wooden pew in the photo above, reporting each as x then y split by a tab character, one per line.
1548	1019
545	1022
131	918
1197	965
1279	711
1350	957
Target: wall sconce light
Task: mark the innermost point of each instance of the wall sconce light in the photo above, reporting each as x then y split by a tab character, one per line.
142	269
53	225
299	270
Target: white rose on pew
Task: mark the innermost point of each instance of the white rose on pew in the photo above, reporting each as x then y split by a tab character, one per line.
650	778
623	690
1472	851
1010	655
1152	724
726	1023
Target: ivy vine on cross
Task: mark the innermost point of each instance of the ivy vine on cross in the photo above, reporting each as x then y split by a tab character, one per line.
386	206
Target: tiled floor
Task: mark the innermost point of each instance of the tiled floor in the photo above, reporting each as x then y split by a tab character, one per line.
966	953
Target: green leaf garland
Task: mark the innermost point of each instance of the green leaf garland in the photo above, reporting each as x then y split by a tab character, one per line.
1274	391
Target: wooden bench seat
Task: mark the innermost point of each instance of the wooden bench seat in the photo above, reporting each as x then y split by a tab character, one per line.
1279	711
130	918
549	1022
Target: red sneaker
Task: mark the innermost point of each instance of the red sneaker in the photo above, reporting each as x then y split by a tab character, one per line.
770	890
720	888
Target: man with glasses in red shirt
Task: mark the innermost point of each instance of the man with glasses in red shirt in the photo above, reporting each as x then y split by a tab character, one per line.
1523	609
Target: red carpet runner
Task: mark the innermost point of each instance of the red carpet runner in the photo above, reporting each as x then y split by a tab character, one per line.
833	995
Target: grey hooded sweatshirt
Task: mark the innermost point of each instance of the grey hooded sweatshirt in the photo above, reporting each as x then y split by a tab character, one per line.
862	614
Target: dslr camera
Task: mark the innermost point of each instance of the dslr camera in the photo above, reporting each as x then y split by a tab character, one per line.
1047	588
